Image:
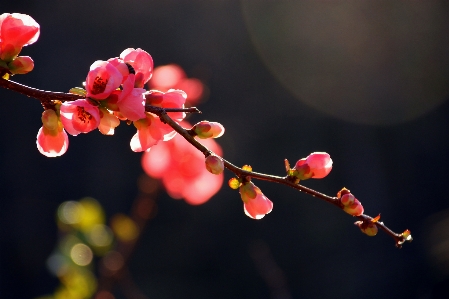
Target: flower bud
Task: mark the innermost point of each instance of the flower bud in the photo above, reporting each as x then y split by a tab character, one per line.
354	209
214	164
50	120
317	165
347	199
255	204
368	228
205	129
21	65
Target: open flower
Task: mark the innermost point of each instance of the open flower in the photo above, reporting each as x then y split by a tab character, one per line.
79	117
255	204
16	31
52	140
102	79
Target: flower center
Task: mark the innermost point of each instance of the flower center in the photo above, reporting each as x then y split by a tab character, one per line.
83	115
99	85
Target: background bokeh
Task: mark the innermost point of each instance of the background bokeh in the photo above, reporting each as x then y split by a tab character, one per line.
366	81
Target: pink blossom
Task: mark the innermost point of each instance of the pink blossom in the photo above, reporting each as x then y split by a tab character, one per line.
172	76
317	165
131	101
108	122
79	117
180	166
52	140
142	63
255	204
16	31
102	79
21	65
206	129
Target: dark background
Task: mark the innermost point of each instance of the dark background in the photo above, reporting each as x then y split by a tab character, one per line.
370	91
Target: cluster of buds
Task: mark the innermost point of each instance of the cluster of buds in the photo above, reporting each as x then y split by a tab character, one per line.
351	205
16	31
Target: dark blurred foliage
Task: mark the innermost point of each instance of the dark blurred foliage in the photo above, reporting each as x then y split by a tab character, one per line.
303	249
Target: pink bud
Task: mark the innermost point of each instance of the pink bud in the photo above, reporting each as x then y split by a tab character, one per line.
52	140
368	228
317	165
255	204
354	209
21	65
214	164
205	129
347	199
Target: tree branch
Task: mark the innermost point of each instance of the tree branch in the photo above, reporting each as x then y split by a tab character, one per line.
49	96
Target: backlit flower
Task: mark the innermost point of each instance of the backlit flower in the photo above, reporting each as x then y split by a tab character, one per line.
102	79
79	116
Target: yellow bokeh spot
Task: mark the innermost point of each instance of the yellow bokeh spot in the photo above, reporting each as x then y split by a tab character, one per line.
69	212
100	235
124	227
81	254
91	214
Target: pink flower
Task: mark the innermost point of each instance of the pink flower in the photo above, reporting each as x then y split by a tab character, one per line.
79	117
21	65
142	63
172	76
52	140
108	122
317	165
16	31
255	204
180	166
131	101
102	79
205	129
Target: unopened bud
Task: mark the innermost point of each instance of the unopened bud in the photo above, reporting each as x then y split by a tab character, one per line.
205	129
50	120
354	209
21	65
347	199
214	164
